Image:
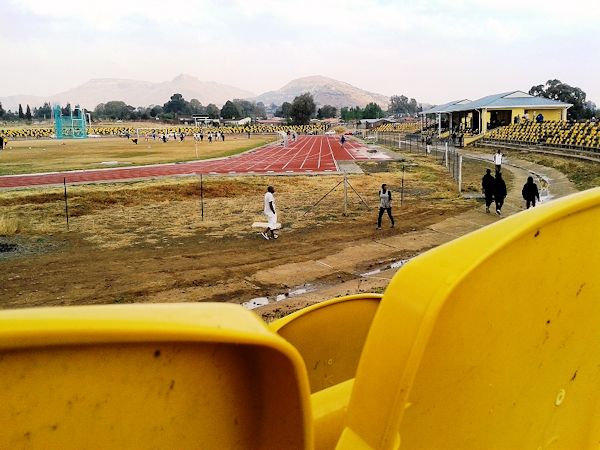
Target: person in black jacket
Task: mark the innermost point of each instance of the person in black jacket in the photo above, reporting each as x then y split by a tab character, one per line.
530	192
499	192
487	187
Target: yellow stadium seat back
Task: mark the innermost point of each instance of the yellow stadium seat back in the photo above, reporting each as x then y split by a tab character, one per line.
490	341
208	376
330	336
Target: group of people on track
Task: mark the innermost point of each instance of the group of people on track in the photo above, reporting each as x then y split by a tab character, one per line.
493	187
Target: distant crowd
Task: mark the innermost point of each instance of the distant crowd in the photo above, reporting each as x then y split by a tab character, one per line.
129	131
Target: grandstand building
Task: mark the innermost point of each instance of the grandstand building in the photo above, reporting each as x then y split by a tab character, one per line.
478	116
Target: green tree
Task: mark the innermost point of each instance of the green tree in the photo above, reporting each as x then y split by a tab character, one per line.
2	112
212	111
156	111
43	112
413	106
398	104
557	90
115	110
260	110
303	109
284	111
28	114
372	111
177	105
345	113
352	113
196	107
21	115
66	110
99	111
231	110
245	107
326	112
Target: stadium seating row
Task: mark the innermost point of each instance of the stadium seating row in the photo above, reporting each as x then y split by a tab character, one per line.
408	127
556	133
47	132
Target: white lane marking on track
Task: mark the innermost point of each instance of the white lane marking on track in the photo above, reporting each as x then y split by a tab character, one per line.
309	152
296	154
320	152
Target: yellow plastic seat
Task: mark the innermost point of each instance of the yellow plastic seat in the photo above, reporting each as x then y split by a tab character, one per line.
490	341
330	336
149	376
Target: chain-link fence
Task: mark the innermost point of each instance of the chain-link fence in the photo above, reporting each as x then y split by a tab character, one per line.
442	150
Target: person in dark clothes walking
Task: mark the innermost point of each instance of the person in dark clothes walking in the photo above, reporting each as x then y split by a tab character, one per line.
385	204
530	192
499	192
487	187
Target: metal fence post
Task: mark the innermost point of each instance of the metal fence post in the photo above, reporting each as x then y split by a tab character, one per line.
446	155
460	173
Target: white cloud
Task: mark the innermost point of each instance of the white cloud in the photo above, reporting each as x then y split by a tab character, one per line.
384	45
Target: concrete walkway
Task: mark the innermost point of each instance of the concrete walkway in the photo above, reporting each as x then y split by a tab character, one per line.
370	264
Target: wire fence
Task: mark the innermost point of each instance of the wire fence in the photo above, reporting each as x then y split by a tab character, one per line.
442	150
206	205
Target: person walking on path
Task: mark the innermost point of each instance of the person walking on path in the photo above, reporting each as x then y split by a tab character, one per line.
342	140
498	160
271	214
385	204
499	192
487	187
530	192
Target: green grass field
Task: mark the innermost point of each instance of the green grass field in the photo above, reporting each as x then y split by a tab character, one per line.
34	156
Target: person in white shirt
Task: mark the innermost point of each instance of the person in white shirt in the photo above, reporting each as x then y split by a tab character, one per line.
271	214
385	205
498	160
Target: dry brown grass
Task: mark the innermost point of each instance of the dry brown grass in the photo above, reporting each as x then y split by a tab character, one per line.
474	170
34	156
10	226
148	212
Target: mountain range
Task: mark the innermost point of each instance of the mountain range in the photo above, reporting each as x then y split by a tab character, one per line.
326	91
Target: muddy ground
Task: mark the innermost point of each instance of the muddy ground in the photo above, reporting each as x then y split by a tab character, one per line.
145	242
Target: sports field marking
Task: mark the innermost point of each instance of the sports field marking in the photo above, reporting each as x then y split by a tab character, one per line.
308	154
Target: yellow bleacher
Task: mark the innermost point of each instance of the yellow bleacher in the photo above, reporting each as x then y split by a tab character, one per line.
47	132
408	127
554	133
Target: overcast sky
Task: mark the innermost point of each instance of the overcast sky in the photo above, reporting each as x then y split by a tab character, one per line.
435	51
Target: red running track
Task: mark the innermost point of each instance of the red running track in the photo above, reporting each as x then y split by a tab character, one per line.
305	155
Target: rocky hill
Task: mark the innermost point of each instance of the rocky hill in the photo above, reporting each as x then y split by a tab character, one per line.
326	91
134	92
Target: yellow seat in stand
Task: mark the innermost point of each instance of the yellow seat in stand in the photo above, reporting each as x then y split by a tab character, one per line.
208	376
487	342
490	341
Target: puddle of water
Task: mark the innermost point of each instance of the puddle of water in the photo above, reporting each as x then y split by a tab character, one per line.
298	292
395	265
262	301
398	264
370	273
256	302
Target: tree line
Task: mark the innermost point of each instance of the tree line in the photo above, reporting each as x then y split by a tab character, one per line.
300	111
582	109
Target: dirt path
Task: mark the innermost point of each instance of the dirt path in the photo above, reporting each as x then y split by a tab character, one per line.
381	253
323	255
